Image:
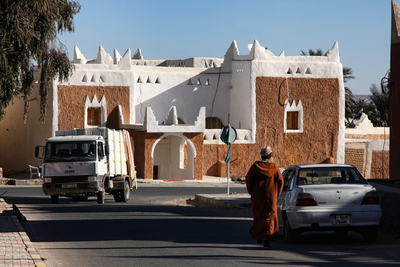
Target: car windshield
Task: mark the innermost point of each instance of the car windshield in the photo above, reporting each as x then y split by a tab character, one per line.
70	151
330	175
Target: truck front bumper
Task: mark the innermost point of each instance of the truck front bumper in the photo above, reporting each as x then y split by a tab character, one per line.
72	188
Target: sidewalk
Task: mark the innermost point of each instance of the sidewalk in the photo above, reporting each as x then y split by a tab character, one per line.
16	249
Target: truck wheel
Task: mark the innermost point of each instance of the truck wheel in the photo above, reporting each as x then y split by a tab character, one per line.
100	197
126	192
54	199
117	196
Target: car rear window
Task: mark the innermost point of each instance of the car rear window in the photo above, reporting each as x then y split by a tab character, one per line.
312	176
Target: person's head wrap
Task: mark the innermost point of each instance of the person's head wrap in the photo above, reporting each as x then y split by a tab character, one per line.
265	151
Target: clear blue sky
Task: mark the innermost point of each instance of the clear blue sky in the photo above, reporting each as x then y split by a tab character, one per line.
177	29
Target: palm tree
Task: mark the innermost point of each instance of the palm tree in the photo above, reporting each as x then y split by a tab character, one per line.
349	108
381	100
311	52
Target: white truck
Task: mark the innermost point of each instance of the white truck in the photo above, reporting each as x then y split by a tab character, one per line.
88	162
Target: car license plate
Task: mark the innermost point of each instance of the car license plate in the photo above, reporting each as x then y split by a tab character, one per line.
341	219
69	186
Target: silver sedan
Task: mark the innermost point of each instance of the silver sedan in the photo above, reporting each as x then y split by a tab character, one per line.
328	197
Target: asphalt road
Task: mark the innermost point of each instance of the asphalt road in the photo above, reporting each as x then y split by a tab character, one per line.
154	229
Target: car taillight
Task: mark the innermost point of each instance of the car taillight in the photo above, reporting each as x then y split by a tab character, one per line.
370	198
305	199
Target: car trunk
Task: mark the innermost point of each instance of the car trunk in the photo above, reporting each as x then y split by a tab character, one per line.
337	195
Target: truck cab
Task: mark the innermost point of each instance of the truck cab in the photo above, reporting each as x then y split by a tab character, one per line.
79	166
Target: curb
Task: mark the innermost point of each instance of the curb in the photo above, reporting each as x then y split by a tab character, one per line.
10	181
234	201
28	244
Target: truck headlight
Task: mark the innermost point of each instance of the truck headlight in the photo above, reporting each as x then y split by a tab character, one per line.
47	180
92	178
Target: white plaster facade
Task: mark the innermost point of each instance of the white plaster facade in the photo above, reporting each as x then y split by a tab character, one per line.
192	89
364	136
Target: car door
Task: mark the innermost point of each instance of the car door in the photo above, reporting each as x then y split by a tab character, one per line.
284	198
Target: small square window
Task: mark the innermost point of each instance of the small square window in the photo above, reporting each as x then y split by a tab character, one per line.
94	116
292	120
293	117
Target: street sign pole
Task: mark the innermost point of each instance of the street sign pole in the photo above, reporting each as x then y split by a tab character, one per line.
228	180
228	136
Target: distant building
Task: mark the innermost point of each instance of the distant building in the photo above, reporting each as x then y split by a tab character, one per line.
366	97
174	110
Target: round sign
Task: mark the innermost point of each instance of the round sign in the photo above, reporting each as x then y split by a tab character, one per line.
228	131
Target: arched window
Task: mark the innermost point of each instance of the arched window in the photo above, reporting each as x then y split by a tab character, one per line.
213	123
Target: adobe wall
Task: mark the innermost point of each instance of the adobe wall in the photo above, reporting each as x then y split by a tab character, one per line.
380	164
18	139
143	144
356	157
72	99
319	140
370	156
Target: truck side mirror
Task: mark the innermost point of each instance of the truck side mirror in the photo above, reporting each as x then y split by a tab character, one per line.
39	152
107	150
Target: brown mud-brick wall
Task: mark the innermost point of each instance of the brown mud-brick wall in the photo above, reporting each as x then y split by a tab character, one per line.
72	99
143	144
380	164
319	140
355	157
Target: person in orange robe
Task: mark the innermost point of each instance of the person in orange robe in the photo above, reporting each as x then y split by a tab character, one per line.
264	183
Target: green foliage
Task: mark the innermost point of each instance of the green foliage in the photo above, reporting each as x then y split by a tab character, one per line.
235	178
380	98
28	35
377	109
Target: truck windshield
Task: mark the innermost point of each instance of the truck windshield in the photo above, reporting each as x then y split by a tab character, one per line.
70	151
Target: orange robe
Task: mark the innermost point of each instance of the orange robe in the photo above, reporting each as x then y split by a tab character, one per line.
264	183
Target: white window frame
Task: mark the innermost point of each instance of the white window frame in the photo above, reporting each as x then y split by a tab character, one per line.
293	108
96	104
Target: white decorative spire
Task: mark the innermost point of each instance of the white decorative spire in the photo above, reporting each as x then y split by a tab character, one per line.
333	54
138	54
79	58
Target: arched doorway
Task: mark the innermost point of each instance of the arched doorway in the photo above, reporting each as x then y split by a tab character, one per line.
173	157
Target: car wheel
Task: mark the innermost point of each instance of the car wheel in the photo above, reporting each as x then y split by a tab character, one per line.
126	192
100	197
54	199
370	234
290	236
117	196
